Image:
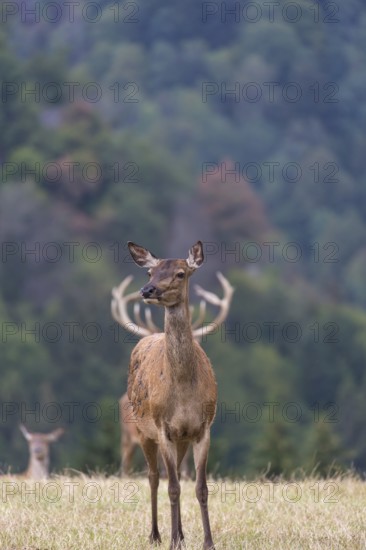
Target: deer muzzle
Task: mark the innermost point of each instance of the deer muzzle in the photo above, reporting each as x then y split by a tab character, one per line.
149	291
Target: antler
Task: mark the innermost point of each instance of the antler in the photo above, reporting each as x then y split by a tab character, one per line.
120	312
223	303
145	328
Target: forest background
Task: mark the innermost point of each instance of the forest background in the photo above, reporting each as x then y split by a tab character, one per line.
237	123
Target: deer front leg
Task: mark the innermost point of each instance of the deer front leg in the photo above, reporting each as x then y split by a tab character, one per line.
150	449
169	454
181	453
200	452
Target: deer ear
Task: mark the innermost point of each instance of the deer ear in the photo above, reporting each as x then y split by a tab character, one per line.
195	256
141	256
55	435
25	432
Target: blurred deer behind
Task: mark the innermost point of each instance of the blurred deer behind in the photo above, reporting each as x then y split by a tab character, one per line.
39	452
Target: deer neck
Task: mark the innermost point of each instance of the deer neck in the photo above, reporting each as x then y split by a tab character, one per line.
38	469
179	345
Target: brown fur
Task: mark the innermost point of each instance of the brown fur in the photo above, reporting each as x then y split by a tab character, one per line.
130	441
161	400
172	387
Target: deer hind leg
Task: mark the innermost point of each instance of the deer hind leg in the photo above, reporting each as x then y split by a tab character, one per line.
128	449
162	469
200	453
184	468
150	449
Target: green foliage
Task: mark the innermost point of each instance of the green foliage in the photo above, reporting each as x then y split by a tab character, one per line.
325	448
148	138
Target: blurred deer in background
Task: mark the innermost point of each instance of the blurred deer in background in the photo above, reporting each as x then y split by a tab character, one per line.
39	452
129	434
171	386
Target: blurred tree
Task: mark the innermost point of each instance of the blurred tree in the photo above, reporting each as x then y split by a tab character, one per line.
231	205
276	450
325	450
18	114
150	153
354	277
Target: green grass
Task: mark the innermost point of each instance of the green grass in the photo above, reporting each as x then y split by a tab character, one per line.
99	513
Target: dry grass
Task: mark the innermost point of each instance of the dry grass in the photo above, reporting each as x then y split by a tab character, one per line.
97	513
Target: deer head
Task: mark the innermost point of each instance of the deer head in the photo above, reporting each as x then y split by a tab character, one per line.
39	451
174	292
168	279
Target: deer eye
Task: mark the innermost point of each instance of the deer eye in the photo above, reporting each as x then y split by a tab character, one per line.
180	275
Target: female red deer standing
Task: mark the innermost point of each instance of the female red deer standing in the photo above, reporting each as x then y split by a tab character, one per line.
172	388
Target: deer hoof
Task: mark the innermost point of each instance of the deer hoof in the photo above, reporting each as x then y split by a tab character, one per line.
155	538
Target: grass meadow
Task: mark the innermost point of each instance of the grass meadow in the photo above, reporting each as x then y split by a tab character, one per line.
106	513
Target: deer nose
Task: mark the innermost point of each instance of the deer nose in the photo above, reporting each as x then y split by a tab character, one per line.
147	291
39	452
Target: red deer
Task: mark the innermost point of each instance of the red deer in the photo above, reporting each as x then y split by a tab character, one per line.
129	435
39	452
172	388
